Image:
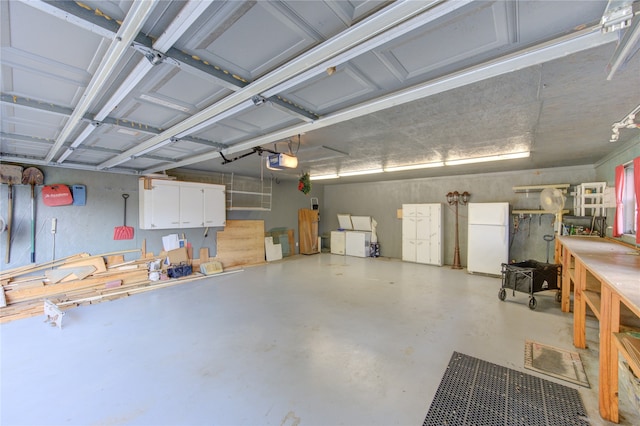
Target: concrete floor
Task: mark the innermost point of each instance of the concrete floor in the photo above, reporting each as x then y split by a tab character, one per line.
310	340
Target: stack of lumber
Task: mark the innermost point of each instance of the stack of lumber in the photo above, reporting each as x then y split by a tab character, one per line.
84	279
75	280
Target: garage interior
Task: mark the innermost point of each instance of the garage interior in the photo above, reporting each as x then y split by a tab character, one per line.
340	108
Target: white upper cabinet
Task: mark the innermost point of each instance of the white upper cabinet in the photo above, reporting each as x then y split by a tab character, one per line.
167	204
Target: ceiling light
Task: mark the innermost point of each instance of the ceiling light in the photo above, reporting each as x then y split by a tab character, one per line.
324	177
414	166
487	159
128	132
361	172
281	162
163	102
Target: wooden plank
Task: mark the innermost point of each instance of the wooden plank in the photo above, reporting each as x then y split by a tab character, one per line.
57	275
204	254
80	273
178	256
22	270
241	243
23	295
96	261
114	260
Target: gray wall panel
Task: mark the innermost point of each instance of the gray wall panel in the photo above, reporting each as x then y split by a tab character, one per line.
382	199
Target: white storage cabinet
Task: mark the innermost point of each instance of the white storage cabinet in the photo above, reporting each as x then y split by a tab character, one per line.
177	205
422	233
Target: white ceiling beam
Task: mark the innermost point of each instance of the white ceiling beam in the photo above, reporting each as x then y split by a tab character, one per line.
138	14
72	19
387	18
187	16
555	49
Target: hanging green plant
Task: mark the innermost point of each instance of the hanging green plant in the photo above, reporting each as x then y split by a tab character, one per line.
304	183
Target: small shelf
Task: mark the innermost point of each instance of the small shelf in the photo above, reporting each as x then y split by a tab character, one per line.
246	193
232	191
514	211
629	347
539	188
259	209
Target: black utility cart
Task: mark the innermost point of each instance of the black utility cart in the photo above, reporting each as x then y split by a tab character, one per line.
531	277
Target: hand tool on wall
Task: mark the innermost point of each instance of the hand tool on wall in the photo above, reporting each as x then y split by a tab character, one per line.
123	232
10	175
33	176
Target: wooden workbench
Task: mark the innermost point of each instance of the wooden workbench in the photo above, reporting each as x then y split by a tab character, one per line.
604	274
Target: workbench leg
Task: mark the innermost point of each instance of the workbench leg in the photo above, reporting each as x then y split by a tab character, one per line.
566	280
579	307
608	371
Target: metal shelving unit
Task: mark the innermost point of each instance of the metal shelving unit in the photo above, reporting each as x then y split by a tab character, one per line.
247	193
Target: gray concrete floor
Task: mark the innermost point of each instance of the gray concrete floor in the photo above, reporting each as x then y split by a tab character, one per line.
310	340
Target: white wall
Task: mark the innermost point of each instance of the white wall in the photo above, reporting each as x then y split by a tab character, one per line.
90	228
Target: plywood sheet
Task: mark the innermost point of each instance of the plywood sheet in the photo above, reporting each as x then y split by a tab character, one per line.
241	243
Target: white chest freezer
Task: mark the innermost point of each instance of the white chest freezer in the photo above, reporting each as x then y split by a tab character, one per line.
358	243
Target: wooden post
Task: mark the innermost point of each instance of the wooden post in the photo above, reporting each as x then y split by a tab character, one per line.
579	307
608	377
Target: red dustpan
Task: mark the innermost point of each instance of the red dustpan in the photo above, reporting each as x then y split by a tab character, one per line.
123	232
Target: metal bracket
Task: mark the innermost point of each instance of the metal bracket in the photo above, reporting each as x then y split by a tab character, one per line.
258	100
155	57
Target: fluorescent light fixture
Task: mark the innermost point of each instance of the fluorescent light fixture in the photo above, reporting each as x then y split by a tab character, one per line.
281	162
324	177
154	147
128	132
414	166
65	155
487	159
361	172
163	102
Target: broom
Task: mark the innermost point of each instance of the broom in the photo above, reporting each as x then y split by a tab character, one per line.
123	232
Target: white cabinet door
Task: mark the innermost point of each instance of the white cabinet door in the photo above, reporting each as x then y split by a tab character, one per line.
409	232
408	250
191	207
422	251
435	234
409	227
165	205
214	206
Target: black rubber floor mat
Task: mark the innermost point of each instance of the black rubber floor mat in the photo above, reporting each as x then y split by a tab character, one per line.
476	392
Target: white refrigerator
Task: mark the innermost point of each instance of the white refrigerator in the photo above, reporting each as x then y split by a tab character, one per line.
488	246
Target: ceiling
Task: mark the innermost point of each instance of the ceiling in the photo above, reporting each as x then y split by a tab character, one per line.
149	87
